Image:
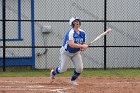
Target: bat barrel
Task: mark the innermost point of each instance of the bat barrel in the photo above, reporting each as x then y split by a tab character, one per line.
104	33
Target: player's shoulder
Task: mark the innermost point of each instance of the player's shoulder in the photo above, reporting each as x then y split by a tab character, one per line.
71	30
82	31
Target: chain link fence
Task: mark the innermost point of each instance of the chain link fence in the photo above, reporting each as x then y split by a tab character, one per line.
35	29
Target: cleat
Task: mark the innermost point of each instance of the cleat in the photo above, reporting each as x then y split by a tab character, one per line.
73	83
52	75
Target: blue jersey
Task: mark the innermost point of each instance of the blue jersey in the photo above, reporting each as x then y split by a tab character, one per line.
77	38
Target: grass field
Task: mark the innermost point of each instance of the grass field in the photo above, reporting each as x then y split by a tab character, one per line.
86	72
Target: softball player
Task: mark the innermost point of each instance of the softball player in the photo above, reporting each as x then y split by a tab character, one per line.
74	43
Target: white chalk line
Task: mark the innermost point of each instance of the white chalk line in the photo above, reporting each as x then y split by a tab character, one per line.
56	90
35	88
32	88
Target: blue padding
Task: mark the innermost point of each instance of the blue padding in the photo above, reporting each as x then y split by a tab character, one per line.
75	76
25	61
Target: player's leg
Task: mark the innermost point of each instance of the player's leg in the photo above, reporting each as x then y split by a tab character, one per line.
64	60
78	64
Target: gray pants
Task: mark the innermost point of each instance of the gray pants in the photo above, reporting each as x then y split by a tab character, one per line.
66	57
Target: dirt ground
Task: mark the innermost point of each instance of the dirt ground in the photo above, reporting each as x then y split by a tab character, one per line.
62	85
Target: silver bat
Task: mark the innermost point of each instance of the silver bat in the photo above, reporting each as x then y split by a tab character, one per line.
100	36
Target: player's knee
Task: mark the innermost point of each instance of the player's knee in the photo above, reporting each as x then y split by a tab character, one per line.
79	70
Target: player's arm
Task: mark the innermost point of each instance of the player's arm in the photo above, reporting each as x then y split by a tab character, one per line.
75	45
83	49
71	43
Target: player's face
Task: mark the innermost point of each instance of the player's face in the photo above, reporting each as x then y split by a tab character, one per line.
76	23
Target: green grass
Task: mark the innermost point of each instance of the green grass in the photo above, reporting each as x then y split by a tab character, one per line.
86	72
30	73
112	72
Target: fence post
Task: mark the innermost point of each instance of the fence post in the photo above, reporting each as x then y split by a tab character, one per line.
3	27
33	34
105	15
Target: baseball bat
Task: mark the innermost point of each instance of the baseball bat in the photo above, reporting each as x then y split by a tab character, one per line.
100	36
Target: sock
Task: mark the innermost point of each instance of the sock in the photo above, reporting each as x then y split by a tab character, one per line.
56	71
75	76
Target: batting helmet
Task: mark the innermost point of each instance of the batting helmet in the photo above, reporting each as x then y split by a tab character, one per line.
72	19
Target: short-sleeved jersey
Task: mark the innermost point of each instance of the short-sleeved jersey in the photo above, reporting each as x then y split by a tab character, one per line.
77	38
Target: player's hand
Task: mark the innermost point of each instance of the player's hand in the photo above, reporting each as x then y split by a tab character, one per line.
82	49
84	46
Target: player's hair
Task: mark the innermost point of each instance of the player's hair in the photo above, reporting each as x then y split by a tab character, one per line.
74	24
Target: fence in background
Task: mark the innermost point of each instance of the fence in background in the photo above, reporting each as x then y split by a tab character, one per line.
32	32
